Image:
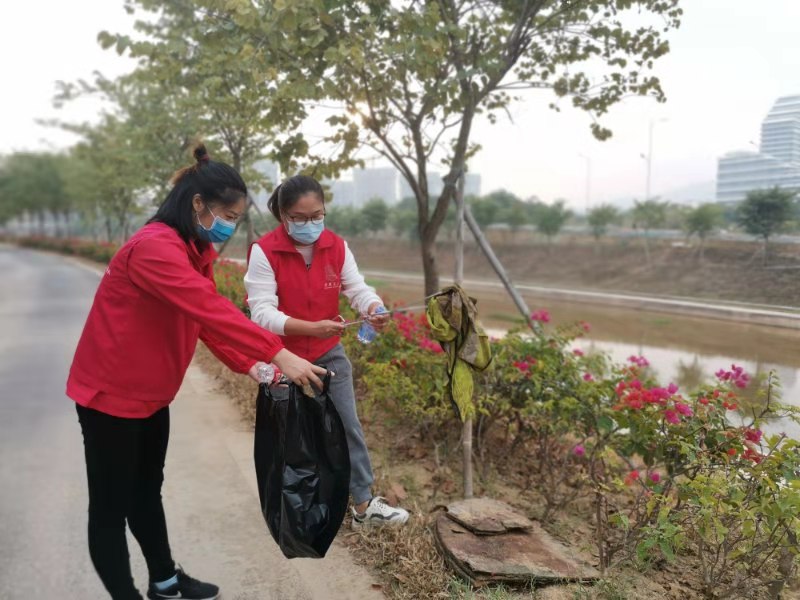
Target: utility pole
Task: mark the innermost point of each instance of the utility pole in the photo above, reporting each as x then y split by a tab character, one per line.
588	181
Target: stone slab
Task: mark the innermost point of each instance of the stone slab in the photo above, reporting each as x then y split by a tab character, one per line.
515	557
484	516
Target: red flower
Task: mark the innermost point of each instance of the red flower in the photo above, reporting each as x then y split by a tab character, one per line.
751	454
703	400
753	435
670	416
540	315
632	477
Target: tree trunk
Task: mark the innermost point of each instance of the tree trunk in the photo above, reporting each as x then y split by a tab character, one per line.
646	249
766	250
429	266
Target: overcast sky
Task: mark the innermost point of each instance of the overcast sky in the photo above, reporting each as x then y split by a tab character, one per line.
729	62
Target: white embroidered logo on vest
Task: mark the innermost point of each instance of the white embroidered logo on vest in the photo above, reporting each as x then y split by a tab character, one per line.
331	278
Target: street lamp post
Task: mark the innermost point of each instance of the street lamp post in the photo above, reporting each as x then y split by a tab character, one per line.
649	157
588	181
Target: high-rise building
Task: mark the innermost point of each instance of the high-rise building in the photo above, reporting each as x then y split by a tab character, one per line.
342	192
777	163
375	183
269	170
472	186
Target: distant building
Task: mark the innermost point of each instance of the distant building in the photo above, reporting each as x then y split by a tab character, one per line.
269	170
387	184
375	183
342	192
776	163
472	185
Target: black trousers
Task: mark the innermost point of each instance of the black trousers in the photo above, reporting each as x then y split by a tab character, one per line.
125	470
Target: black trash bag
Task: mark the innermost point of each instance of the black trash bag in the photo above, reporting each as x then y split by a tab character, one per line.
303	469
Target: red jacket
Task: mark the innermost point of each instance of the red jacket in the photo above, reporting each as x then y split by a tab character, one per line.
310	294
156	299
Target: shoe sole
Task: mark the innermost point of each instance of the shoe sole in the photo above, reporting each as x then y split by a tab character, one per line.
216	597
356	525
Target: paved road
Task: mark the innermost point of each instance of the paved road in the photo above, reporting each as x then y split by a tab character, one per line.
216	529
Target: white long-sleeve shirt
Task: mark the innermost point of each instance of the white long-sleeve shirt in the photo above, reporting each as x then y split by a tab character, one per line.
262	289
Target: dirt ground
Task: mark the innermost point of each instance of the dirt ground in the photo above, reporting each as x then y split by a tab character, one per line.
730	271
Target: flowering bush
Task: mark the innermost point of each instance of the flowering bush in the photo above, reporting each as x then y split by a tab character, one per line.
229	277
98	251
403	372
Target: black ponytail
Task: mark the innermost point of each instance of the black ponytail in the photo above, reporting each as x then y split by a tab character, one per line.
290	191
216	183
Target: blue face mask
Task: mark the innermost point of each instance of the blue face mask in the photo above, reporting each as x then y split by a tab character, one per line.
219	231
307	233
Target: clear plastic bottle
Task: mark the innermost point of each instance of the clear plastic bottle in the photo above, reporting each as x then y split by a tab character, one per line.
367	333
268	373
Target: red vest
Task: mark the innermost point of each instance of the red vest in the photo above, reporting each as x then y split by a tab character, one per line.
309	294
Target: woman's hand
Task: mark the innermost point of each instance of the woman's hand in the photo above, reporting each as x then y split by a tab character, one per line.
253	372
299	370
327	328
377	321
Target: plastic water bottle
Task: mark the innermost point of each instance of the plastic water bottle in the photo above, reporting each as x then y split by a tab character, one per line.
268	373
367	333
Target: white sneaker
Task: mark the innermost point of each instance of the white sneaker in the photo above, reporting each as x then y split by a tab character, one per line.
379	513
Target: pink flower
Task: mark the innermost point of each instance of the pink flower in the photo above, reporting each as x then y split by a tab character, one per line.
579	450
588	377
672	389
753	435
670	416
540	315
639	361
655	477
736	375
577	352
585	326
684	409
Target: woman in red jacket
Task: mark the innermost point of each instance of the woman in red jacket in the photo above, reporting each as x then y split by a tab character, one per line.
156	299
294	277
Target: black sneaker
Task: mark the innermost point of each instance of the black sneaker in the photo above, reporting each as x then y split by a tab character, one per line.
187	587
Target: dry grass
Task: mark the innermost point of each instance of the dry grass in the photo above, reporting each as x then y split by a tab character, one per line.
405	557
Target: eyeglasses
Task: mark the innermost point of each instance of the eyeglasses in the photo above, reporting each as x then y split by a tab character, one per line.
297	220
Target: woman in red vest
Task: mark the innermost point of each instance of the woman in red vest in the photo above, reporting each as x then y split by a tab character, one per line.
156	299
294	277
